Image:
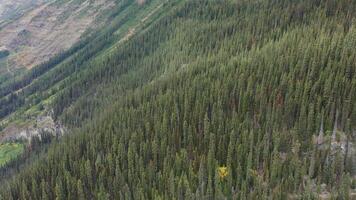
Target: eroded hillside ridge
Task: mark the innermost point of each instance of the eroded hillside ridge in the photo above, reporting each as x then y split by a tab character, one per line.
48	29
10	9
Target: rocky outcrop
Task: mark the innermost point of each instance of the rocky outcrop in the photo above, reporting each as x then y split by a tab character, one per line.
337	143
42	125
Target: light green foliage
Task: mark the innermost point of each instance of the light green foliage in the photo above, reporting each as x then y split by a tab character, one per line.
9	151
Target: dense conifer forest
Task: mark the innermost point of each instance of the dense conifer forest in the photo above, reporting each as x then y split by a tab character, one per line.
208	99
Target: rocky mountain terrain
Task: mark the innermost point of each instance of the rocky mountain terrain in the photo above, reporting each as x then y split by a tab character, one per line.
43	124
10	9
46	28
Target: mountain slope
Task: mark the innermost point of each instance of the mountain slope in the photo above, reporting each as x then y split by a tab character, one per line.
50	28
11	9
42	83
164	104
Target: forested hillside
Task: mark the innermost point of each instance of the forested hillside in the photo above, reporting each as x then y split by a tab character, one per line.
203	99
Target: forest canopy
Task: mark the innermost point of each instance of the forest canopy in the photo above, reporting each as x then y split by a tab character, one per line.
204	100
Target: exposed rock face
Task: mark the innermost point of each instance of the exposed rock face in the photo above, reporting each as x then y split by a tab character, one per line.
48	29
141	2
43	124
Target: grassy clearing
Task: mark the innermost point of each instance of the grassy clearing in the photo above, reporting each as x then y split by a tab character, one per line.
9	151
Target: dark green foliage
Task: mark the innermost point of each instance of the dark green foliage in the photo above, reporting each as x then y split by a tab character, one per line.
4	53
241	84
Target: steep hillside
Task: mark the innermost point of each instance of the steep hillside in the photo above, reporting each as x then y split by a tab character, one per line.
50	28
195	100
27	99
11	9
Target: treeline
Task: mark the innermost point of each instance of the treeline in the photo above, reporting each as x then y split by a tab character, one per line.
244	85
